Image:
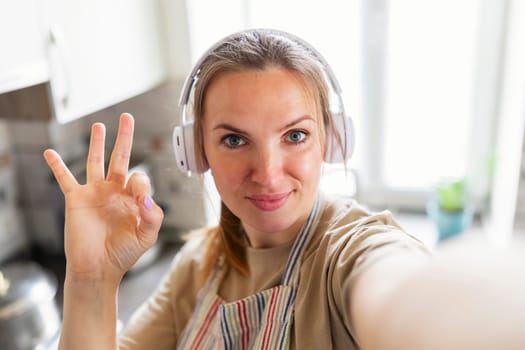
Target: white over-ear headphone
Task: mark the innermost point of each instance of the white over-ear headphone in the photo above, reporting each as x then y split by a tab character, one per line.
183	139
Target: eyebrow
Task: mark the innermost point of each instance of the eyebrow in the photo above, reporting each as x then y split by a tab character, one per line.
239	131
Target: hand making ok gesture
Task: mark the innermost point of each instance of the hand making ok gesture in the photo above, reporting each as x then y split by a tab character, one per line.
111	220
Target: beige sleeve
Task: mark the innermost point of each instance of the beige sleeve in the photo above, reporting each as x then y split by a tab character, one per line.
379	236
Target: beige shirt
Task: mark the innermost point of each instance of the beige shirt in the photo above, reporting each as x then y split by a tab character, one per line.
346	241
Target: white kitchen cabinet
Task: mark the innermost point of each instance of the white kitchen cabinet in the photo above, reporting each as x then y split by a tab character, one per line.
23	58
102	52
94	53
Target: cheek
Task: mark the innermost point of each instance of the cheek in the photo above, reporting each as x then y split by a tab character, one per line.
227	171
306	167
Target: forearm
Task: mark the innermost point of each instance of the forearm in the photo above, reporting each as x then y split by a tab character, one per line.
459	301
90	315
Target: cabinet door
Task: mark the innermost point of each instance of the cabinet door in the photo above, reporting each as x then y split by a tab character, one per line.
23	59
102	52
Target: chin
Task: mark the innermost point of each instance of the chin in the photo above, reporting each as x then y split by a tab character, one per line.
271	222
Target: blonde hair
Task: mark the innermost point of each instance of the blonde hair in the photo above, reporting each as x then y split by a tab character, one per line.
253	50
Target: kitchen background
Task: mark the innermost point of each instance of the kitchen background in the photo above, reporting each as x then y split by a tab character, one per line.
436	89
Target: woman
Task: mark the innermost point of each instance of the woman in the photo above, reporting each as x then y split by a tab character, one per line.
287	267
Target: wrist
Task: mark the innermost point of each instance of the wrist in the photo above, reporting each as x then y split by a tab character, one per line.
93	278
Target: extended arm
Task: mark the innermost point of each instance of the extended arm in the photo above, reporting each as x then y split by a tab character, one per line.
465	298
109	223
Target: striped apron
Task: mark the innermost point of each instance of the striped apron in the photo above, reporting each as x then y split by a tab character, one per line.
260	321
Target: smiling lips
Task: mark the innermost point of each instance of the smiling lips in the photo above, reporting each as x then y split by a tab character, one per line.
269	202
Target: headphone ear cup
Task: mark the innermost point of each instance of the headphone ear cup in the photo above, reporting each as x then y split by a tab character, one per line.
334	153
184	148
179	149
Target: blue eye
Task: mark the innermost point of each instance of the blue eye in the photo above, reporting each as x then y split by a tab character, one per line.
296	136
233	141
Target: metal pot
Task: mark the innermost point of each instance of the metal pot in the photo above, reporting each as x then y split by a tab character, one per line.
29	317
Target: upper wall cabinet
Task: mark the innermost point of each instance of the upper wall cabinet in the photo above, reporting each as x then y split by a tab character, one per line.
96	53
23	58
102	52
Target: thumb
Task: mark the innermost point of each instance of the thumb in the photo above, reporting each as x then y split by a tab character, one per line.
151	216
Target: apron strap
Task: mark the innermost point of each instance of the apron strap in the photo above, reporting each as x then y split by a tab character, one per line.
291	272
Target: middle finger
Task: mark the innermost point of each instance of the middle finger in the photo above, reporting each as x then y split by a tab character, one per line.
95	161
119	162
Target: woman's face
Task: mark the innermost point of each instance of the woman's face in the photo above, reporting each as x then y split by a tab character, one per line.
263	145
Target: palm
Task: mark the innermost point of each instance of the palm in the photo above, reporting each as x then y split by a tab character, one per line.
112	218
106	228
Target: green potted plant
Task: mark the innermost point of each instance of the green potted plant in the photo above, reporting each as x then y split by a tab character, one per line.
450	208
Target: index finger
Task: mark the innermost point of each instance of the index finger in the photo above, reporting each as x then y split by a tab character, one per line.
119	162
65	179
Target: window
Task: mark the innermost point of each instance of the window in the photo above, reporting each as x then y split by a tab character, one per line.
429	85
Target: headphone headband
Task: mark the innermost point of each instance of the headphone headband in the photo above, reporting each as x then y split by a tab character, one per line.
192	78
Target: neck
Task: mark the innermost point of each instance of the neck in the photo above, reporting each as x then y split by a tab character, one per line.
262	239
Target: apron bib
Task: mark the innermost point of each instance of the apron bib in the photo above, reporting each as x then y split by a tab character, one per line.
259	321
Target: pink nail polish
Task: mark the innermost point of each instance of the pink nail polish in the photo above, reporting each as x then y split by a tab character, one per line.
148	203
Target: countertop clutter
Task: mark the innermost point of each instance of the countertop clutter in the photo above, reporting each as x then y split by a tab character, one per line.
29	315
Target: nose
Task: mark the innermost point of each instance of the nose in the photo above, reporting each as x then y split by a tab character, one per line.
267	166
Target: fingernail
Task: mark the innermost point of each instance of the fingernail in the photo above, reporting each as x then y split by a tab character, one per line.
148	203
